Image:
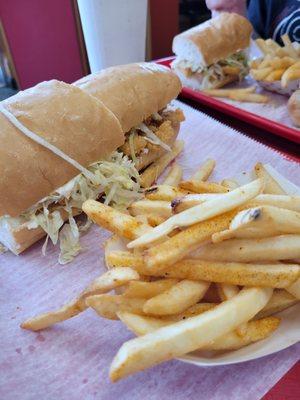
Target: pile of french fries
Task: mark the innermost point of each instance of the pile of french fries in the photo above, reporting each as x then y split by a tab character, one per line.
195	265
280	64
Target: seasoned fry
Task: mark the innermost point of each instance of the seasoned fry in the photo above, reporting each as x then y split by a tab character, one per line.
146	290
114	243
197	186
275	75
249	97
227	92
260	74
107	305
255	330
188	335
201	212
174	176
160	208
177	298
284	247
260	222
271	186
204	171
113	220
154	170
279	301
181	244
164	193
108	281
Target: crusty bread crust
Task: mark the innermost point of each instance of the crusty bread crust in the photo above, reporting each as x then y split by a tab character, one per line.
72	120
294	107
214	40
133	92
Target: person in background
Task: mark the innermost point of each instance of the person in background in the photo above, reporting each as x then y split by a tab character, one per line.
270	18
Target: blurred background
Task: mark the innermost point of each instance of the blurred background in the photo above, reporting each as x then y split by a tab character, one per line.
67	39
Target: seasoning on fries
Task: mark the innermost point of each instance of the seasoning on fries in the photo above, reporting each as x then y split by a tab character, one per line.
214	285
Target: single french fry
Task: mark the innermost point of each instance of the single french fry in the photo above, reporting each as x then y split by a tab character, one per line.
108	281
230	184
164	192
202	212
196	309
204	171
288	202
160	208
119	223
198	186
234	273
181	244
294	289
174	176
107	305
260	222
154	170
280	300
275	75
255	330
277	275
271	186
287	186
177	298
249	97
284	247
146	290
260	74
188	335
226	92
226	292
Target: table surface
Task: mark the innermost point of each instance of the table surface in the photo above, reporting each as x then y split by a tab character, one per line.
288	387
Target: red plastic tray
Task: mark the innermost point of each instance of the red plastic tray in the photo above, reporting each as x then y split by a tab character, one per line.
254	119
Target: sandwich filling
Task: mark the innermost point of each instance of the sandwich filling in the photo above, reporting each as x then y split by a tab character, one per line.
234	65
115	180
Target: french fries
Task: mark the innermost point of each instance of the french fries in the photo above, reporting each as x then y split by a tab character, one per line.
119	223
254	330
110	280
244	95
177	298
107	305
188	335
284	247
201	212
204	171
154	170
146	290
174	176
260	222
212	285
279	64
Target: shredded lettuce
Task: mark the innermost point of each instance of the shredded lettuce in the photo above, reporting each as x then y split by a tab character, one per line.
3	249
116	177
214	72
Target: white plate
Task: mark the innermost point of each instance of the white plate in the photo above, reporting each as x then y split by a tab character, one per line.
285	336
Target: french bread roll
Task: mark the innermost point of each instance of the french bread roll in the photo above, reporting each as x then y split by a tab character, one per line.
214	39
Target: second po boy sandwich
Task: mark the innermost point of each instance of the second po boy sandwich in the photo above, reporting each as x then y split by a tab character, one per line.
211	54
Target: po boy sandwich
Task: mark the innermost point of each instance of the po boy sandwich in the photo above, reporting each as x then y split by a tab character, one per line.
212	54
61	145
